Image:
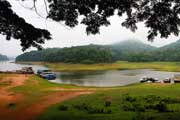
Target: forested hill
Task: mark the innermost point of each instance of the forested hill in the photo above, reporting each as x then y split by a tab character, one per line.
3	57
130	50
81	54
123	50
169	52
132	46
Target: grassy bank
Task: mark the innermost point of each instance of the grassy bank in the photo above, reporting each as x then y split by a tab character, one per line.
120	65
132	102
137	102
30	95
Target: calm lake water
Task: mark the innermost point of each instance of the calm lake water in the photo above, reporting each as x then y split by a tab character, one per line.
96	78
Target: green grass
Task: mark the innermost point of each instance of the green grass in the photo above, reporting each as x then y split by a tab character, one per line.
120	65
81	108
36	87
35	83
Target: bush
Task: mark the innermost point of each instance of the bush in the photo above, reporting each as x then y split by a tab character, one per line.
63	107
152	98
108	103
92	109
141	116
161	107
139	107
99	110
82	106
11	105
127	106
169	100
129	98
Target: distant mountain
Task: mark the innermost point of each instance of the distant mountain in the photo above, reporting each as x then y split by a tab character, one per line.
132	46
3	57
172	46
122	50
169	52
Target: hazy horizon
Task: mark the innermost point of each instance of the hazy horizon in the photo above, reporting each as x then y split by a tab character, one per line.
65	37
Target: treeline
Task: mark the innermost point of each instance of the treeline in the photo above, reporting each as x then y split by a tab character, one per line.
3	58
82	54
131	50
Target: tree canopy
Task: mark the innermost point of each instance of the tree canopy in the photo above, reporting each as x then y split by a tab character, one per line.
81	54
131	50
160	16
13	26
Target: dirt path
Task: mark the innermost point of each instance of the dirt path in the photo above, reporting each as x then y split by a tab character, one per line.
36	109
29	112
9	82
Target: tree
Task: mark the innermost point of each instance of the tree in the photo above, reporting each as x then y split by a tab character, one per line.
11	25
160	16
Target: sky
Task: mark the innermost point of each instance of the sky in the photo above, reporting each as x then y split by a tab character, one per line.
67	37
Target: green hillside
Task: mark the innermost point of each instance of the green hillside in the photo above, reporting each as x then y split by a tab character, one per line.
129	50
82	54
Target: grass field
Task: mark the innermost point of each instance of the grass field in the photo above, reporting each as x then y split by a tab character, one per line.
137	102
120	65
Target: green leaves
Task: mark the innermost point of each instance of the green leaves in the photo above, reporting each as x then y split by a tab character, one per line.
13	26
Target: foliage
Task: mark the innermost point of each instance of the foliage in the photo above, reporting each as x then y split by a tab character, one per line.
63	107
82	54
13	26
142	104
160	16
130	50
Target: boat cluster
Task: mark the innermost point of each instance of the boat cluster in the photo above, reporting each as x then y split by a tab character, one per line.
175	79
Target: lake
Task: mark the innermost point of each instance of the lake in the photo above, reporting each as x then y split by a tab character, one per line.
95	78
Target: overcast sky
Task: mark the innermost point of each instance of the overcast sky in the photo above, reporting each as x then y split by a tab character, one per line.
65	37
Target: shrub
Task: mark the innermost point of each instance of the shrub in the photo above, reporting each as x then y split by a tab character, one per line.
99	110
139	107
107	103
11	105
161	107
152	98
127	106
141	116
63	107
82	106
129	98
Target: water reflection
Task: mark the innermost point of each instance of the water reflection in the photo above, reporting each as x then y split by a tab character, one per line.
109	78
